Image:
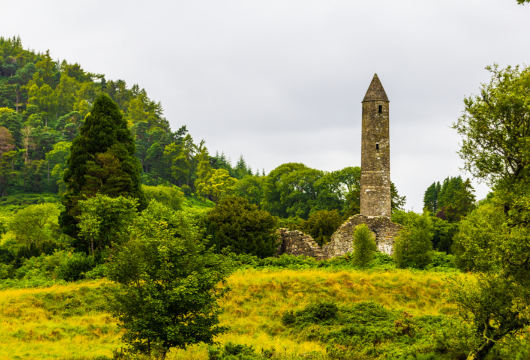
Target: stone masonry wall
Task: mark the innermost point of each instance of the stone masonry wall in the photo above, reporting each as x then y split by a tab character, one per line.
342	240
297	243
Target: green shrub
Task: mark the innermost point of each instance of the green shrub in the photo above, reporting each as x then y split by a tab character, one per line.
322	224
41	267
313	313
368	330
364	246
186	190
292	223
6	271
441	261
243	227
100	271
74	266
35	224
172	197
6	254
413	246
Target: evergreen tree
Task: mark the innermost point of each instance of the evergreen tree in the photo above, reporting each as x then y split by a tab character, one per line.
104	146
364	246
204	173
430	198
463	203
448	191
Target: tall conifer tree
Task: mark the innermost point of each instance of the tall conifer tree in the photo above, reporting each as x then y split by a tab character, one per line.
102	160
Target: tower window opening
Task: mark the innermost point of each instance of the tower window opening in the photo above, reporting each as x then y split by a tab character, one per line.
377	146
380	109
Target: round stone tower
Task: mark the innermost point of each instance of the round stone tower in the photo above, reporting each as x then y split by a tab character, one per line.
375	152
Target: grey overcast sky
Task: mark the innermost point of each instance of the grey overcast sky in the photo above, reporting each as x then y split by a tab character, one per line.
282	81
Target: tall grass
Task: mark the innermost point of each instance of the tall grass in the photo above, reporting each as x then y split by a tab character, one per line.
70	321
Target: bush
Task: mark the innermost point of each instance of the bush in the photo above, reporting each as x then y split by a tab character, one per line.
172	197
441	261
41	267
243	227
186	190
364	246
74	266
322	224
312	313
35	224
100	271
413	246
231	351
292	223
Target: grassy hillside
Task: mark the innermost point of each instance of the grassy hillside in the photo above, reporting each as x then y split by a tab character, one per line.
70	321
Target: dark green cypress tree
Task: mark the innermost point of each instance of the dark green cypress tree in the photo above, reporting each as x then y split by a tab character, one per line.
102	160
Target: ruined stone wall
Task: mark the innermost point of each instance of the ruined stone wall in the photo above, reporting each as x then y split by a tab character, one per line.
385	232
297	243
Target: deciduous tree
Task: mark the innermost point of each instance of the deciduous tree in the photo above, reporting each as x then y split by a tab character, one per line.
243	227
167	284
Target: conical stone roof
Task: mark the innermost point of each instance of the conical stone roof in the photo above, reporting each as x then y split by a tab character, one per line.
375	91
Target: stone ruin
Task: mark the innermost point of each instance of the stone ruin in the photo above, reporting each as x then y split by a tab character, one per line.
375	192
295	242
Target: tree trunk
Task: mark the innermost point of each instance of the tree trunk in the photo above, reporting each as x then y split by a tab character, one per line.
48	172
17	98
484	350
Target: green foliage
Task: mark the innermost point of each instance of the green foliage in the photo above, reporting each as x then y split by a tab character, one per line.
441	262
295	190
74	266
243	227
497	308
292	223
35	224
321	312
250	188
368	330
452	200
167	284
495	129
396	202
413	246
322	224
170	196
102	160
430	198
364	246
186	190
495	244
104	221
230	351
443	234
